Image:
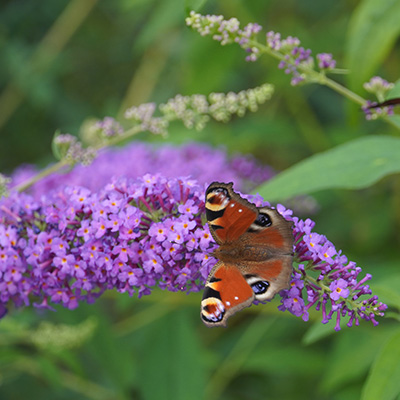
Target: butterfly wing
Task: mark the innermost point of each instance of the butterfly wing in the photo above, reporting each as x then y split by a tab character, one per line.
269	277
271	232
255	253
228	215
226	292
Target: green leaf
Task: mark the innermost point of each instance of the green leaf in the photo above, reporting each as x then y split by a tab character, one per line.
388	290
110	359
373	30
318	331
284	360
162	21
171	363
383	382
56	149
354	165
194	5
48	370
352	354
395	119
395	92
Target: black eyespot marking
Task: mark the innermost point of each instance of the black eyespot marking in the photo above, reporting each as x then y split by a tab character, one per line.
260	287
263	220
209	292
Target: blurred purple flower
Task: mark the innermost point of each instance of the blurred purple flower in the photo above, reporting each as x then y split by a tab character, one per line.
137	159
378	86
372	111
326	61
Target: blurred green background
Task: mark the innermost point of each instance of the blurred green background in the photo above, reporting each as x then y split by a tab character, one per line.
63	62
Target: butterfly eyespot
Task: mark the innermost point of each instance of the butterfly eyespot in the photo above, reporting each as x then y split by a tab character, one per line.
221	190
263	220
260	287
213	310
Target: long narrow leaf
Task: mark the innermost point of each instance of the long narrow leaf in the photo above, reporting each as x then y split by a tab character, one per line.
373	30
383	382
354	165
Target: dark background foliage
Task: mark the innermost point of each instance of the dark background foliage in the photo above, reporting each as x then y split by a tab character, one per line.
63	62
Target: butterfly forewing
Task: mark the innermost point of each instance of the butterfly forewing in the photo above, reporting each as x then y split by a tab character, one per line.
228	215
278	237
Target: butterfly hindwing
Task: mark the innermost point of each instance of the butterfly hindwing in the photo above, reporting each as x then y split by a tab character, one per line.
230	289
269	277
226	292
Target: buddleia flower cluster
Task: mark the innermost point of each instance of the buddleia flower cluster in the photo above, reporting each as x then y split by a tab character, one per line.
380	88
193	111
72	244
196	110
115	224
294	59
326	279
68	148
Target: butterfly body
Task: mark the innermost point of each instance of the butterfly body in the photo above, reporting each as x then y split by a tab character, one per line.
255	254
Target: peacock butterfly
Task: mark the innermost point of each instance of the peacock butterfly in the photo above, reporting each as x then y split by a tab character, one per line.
255	254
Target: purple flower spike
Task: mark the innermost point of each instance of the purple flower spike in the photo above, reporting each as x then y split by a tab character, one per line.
72	244
336	288
295	59
130	236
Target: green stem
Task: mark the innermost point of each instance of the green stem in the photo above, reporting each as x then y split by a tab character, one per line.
119	139
315	282
45	172
316	76
318	283
341	89
63	163
351	304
